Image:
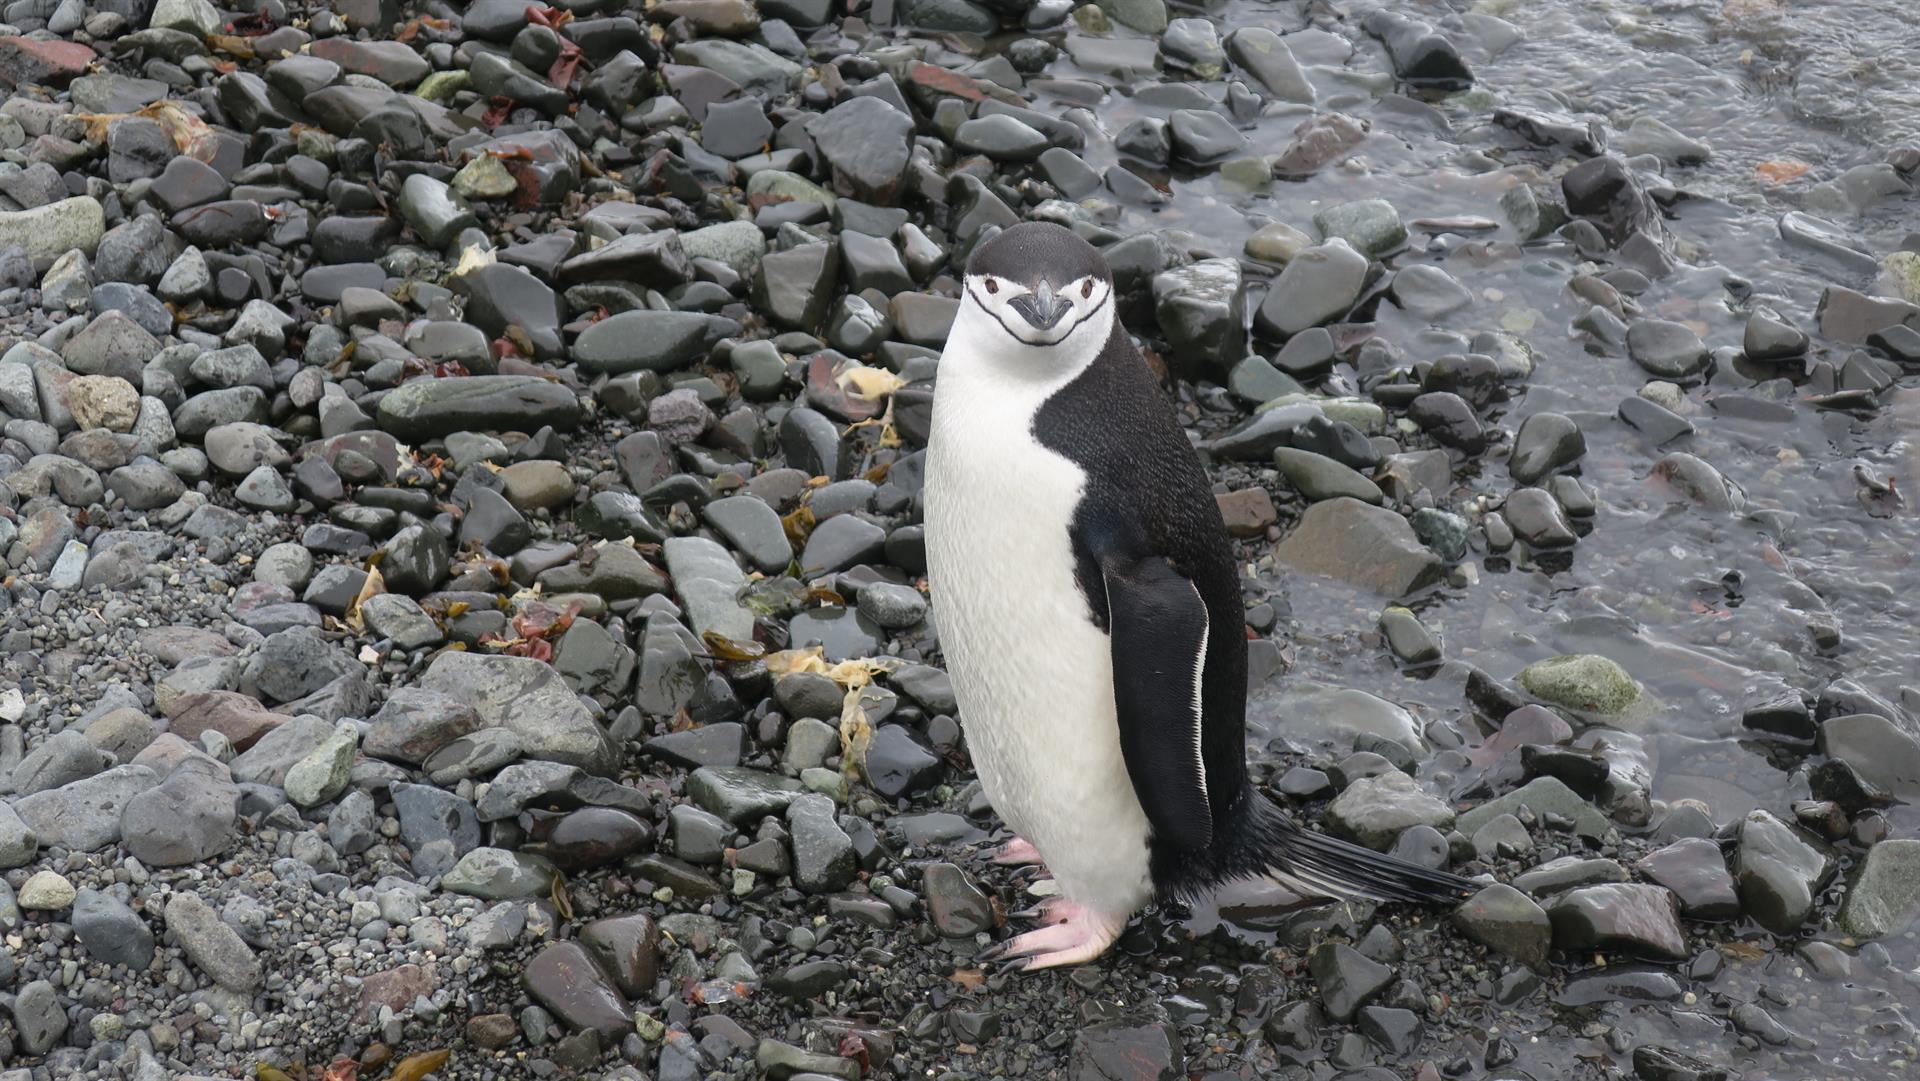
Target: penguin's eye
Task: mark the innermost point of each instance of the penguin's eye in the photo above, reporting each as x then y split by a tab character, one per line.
992	286
1086	288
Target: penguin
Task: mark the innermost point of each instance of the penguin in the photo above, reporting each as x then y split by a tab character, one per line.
1088	608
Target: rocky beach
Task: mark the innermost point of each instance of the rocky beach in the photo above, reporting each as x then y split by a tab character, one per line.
464	607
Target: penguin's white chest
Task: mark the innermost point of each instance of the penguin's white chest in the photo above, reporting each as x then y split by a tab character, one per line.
1032	674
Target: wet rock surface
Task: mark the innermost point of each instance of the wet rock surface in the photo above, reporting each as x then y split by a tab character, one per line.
435	437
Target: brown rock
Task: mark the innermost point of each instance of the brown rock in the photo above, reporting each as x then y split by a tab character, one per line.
1318	143
241	719
1365	545
491	1030
573	987
167	750
171	645
1248	512
395	988
30	60
629	947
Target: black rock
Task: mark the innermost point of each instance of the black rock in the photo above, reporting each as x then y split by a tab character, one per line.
1667	349
1658	423
1784	714
1770	337
111	933
1620	916
1620	985
572	985
1448	418
347	239
1584	137
136	250
1420	56
809	979
1652	1062
897	764
1473	376
1000	137
795	287
427	408
735	129
1901	343
1146	138
494	524
649	340
1536	518
1395	1030
865	142
1347	979
1203	137
1546	442
1697	874
499	295
417	560
1604	191
222	223
708	745
137	148
1127	1049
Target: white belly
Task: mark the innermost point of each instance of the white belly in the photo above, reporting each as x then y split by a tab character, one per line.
1032	674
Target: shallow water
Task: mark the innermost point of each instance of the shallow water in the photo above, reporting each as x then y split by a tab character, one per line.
1704	609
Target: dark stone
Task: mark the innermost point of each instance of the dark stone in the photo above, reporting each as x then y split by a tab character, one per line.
1420	56
1619	916
589	837
1347	978
898	765
566	979
1652	1062
501	296
1697	874
1127	1051
1658	423
628	947
428	408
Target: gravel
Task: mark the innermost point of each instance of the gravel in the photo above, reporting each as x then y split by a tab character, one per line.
460	493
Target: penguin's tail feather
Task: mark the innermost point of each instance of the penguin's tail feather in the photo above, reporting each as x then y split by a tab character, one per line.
1320	866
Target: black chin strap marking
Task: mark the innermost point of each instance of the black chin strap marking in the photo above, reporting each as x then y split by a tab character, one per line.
1091	312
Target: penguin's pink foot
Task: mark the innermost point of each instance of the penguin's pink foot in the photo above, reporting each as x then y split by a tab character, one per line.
1048	910
1075	935
1016	852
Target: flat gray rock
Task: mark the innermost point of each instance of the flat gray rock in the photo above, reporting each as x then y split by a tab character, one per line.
84	815
529	698
214	948
709	584
1363	545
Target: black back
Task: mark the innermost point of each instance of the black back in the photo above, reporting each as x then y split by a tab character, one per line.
1148	495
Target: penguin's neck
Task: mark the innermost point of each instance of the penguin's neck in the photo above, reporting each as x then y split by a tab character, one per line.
984	367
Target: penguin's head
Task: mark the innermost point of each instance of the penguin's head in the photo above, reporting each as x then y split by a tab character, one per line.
1042	285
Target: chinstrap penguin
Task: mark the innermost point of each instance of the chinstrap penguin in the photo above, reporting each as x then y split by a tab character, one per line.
1089	610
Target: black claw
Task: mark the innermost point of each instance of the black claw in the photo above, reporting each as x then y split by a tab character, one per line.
1033	913
994	952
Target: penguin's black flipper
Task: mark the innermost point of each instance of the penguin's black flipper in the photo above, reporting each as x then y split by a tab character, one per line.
1158	625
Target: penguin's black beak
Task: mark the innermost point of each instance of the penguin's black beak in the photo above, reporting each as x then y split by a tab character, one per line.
1041	308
